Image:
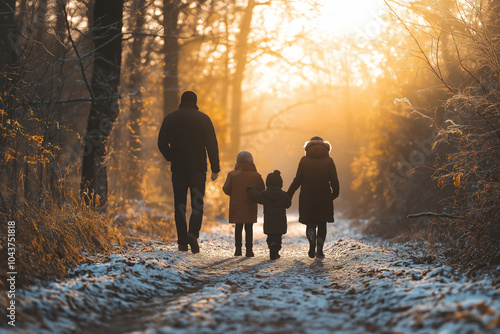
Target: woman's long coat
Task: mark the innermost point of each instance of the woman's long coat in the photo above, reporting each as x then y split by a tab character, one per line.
242	210
317	177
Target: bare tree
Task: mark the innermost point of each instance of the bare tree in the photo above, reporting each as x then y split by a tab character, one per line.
104	93
135	81
238	76
467	126
171	11
7	35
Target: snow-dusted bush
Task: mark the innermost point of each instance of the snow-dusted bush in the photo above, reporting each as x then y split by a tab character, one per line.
473	170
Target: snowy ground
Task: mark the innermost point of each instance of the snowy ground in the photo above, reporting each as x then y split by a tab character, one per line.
360	287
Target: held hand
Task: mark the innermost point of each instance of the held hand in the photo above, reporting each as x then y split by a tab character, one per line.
214	176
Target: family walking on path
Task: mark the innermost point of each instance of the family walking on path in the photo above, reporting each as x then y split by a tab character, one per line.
187	135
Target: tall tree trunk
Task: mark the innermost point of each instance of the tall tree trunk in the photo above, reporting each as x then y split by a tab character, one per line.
133	188
7	36
40	20
346	74
171	55
241	61
453	72
8	58
226	82
104	106
494	24
58	49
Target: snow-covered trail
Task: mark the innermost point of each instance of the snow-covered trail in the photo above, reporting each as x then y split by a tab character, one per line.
248	295
359	287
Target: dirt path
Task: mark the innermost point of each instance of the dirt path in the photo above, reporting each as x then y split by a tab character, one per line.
358	288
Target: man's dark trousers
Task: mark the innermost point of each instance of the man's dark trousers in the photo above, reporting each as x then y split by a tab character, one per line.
195	182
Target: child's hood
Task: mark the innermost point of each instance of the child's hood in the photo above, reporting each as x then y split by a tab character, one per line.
317	148
245	166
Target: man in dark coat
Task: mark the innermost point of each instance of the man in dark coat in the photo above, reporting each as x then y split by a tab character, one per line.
185	138
275	202
317	177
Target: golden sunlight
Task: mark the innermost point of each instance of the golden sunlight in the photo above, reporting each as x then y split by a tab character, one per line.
331	30
347	16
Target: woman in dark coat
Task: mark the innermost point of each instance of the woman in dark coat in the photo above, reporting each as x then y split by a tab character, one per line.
317	177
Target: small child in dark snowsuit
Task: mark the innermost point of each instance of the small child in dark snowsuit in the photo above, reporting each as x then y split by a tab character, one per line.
275	202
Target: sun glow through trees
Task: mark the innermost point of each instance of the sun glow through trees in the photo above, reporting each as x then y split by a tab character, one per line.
339	16
326	39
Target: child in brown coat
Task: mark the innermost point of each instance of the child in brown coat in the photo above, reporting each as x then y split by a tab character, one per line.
242	210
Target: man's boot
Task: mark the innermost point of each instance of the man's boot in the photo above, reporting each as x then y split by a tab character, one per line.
311	237
193	242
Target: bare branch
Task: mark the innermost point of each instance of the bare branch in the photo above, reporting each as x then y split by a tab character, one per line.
80	99
432	214
73	44
419	46
271	120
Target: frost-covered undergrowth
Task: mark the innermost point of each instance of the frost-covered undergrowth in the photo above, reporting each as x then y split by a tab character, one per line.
360	287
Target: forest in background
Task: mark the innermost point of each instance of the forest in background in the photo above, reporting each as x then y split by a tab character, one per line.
408	98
